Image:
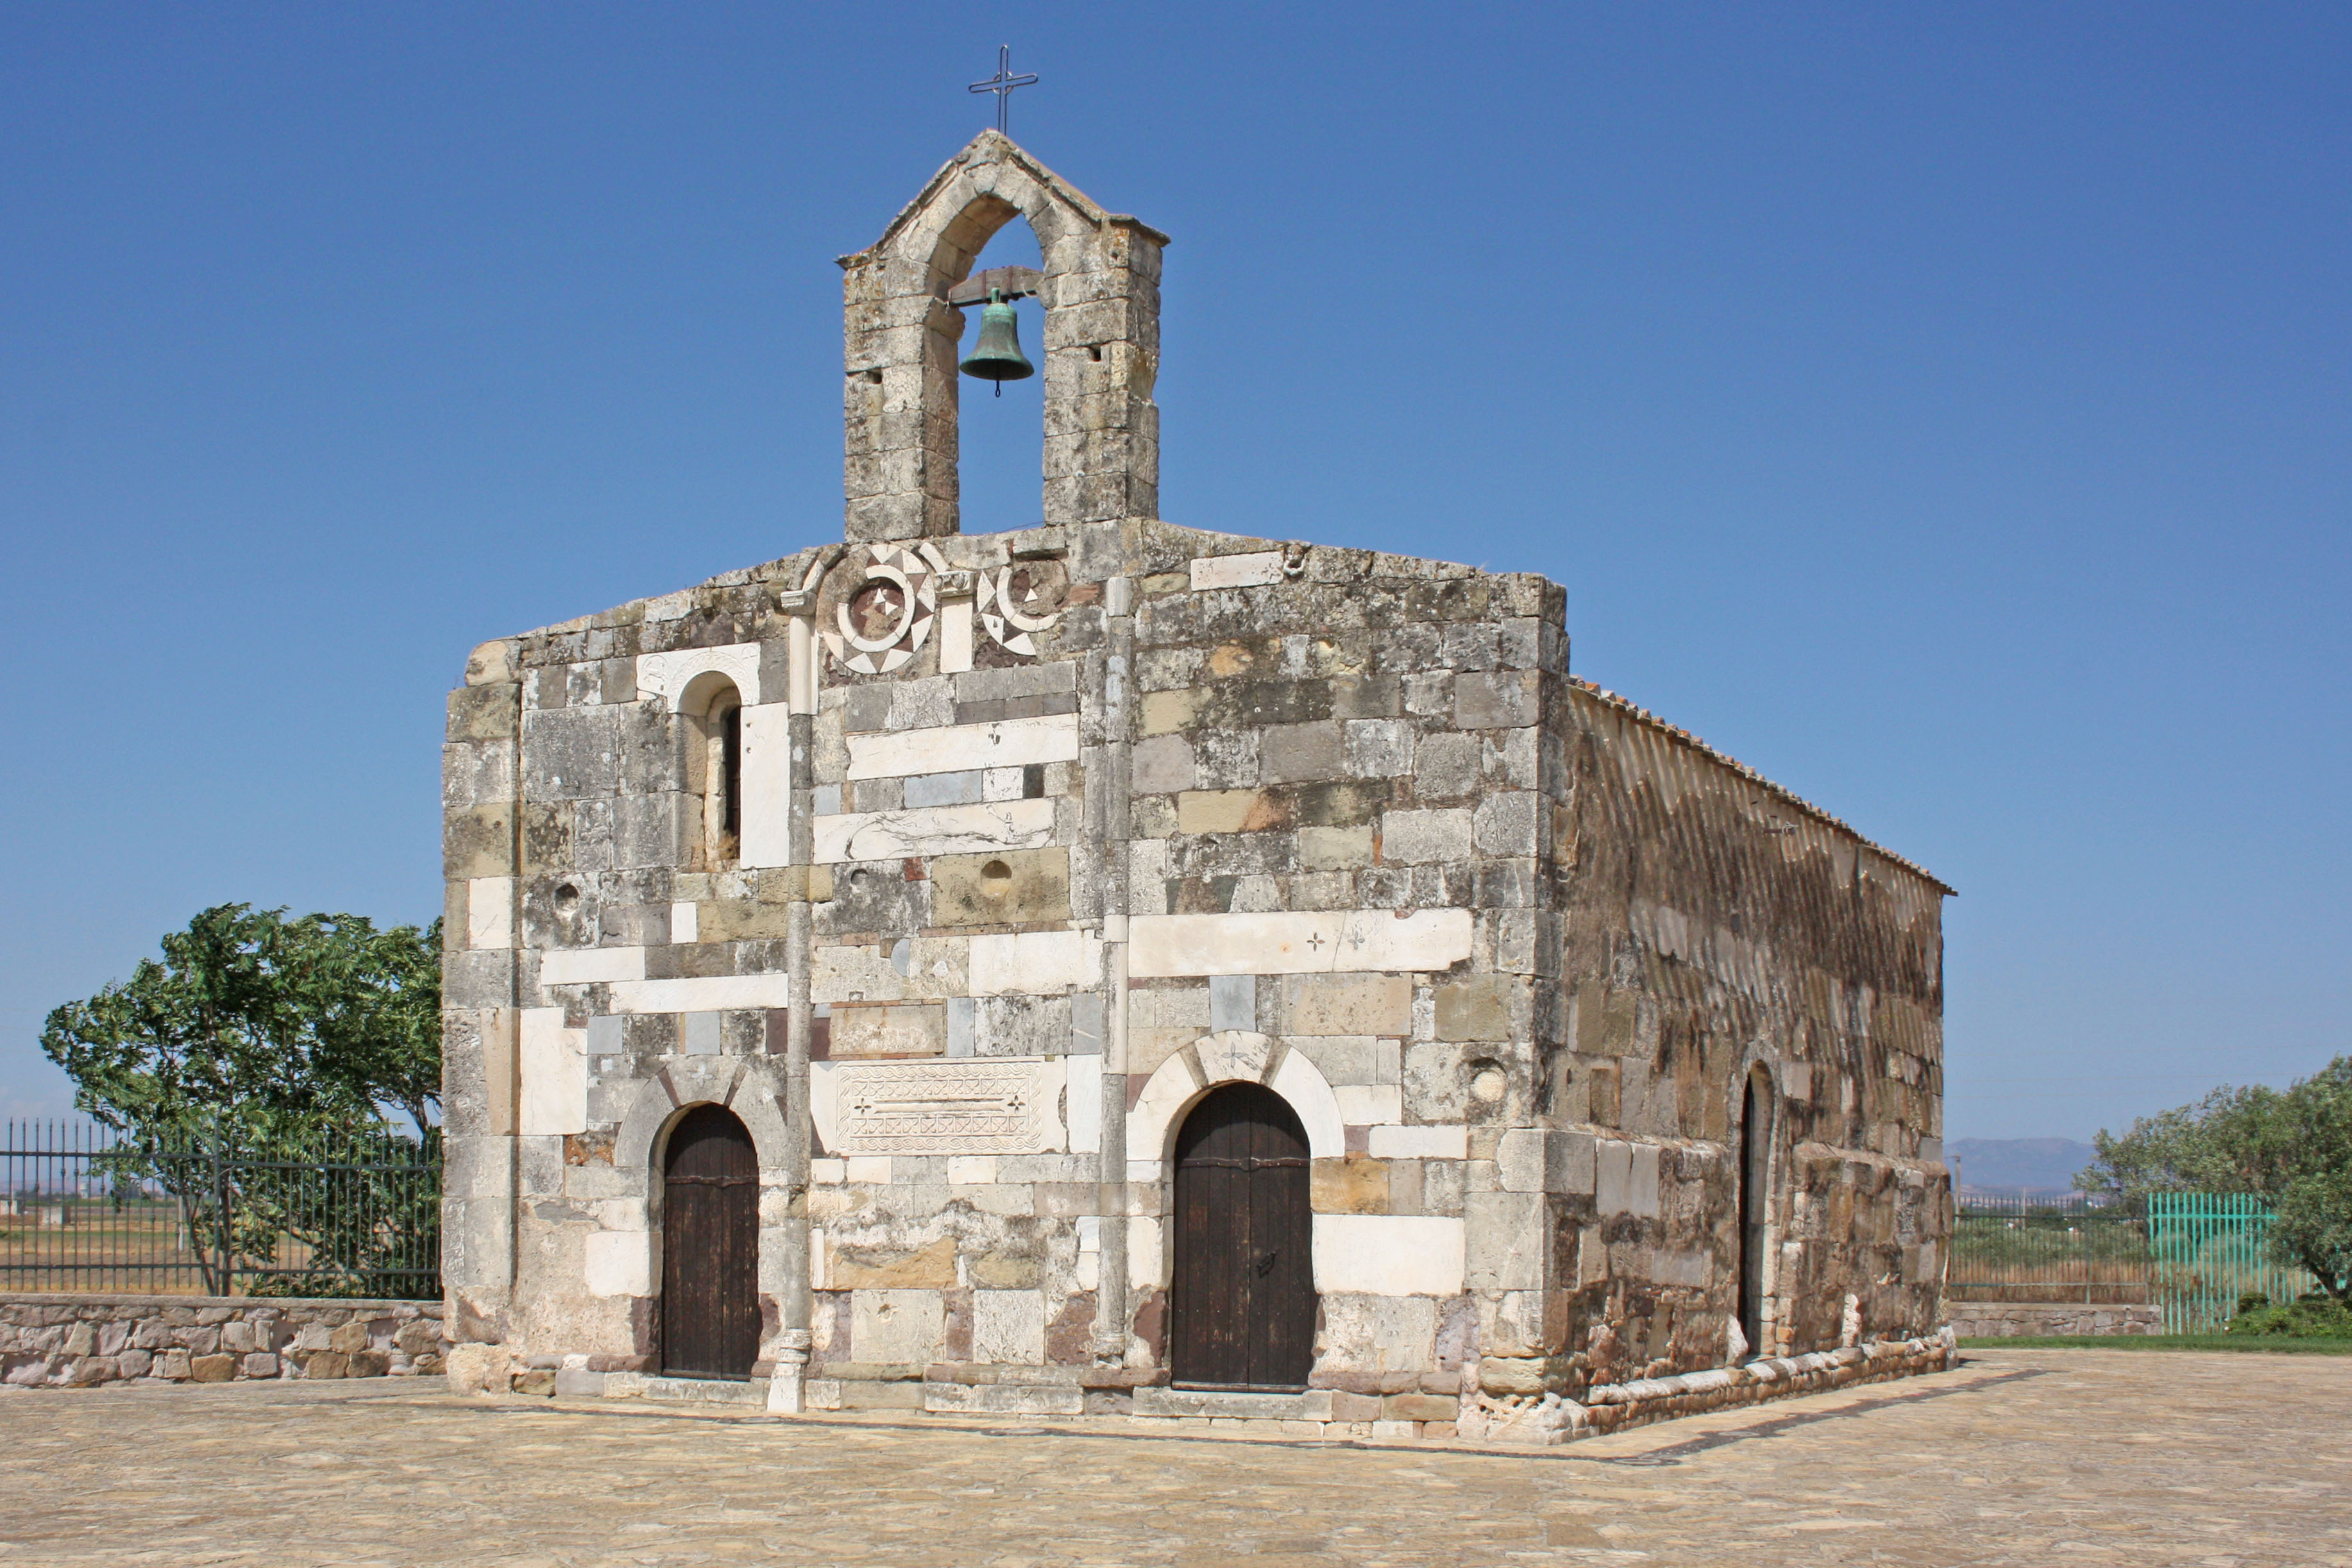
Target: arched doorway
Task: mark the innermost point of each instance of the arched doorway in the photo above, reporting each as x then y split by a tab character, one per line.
1243	1302
710	1247
1755	1172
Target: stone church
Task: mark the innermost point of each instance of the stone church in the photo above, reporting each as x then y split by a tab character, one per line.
1118	968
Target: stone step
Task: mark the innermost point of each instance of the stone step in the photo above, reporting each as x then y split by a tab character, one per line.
1151	1401
686	1390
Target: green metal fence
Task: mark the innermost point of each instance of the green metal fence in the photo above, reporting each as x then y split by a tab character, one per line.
2193	1253
2022	1248
2206	1250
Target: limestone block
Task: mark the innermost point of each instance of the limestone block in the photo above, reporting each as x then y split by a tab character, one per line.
1483	1008
1528	1323
478	842
1006	743
1346	1005
1299	753
950	829
590	966
1496	699
554	1074
1005	1398
1022	1025
1378	747
845	972
1235	1056
1005	888
1335	849
1229	811
895	1325
1161	765
570	754
1253	569
489	912
1008	1326
1349	1059
1370	1335
1366	1105
1350	1187
1450	1141
1084	1100
1389	1255
1033	962
909	1029
1505	824
1435	836
709	993
1625	1177
1300	943
1506	1240
931	1266
1233	1002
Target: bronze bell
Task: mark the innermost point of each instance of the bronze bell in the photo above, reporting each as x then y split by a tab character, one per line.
997	356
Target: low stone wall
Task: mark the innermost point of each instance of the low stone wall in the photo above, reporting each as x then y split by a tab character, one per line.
2002	1320
1613	1407
81	1341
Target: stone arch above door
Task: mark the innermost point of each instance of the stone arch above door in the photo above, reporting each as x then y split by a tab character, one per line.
1233	1056
750	1089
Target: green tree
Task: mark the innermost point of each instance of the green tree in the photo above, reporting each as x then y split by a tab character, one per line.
2292	1148
256	1025
251	1074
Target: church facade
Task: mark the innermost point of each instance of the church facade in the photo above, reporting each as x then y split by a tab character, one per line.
1121	969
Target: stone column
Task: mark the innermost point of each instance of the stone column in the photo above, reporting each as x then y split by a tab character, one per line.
1110	1336
786	1382
482	855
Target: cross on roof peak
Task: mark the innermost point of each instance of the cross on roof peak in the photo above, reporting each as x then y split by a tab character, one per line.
1002	83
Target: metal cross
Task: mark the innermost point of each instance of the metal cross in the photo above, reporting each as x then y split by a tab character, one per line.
1002	85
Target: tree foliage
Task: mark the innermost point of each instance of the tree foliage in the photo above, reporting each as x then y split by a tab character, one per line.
2292	1148
257	1027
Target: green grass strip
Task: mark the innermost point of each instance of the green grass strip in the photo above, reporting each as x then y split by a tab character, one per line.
2272	1344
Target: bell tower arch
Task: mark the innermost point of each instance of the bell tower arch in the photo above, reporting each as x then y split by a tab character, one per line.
1099	286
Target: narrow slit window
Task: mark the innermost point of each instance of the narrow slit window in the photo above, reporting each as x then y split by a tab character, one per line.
731	767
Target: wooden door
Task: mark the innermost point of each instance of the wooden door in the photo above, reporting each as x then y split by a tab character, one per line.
710	1247
1242	1305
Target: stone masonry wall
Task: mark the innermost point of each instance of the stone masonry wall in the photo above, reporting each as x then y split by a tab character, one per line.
2003	1319
82	1341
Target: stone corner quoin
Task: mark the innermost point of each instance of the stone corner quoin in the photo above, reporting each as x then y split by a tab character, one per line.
963	870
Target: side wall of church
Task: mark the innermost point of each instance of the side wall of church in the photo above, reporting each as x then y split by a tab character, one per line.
1717	935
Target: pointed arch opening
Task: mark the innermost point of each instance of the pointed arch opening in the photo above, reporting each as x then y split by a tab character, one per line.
1755	1204
1000	428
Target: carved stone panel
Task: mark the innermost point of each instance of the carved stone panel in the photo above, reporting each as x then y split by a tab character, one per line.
976	1105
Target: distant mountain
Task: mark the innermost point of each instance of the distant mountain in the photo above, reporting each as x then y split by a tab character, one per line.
2008	1164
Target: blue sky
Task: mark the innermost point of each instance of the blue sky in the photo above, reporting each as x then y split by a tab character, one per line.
1941	408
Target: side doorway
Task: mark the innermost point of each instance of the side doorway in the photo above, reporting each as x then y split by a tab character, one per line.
710	1247
1243	1299
1755	1193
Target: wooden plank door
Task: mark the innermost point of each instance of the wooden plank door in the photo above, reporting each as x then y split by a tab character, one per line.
710	1247
1243	1304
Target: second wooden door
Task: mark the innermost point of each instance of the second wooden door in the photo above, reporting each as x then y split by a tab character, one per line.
1243	1302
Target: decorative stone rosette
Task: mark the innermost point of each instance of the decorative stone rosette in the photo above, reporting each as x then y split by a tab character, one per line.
880	617
1016	601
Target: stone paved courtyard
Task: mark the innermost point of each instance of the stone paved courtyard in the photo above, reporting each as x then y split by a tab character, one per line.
2019	1457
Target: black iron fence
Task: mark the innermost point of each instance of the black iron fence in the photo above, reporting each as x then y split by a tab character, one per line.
342	1214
